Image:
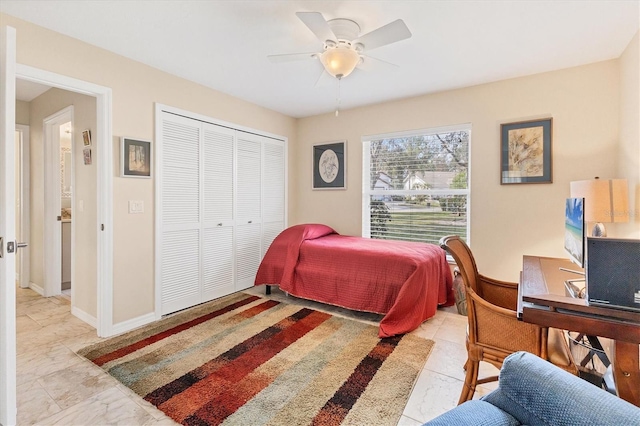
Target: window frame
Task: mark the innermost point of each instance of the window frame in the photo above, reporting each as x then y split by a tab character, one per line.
366	163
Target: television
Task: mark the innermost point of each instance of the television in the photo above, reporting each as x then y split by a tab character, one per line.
574	230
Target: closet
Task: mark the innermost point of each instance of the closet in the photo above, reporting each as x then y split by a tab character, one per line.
220	202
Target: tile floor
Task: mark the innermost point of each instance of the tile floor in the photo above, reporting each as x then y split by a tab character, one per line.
56	386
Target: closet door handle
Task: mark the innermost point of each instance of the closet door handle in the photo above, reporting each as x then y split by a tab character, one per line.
21	245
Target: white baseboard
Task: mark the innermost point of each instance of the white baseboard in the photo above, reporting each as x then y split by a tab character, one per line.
82	315
35	287
133	323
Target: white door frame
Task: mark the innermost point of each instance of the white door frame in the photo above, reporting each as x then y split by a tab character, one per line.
104	187
24	233
8	404
52	204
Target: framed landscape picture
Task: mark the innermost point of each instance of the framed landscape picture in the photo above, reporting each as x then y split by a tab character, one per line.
525	155
329	165
135	158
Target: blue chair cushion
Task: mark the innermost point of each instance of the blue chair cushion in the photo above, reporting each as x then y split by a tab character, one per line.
536	392
476	413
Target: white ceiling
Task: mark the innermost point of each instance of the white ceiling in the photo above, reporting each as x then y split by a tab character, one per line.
224	44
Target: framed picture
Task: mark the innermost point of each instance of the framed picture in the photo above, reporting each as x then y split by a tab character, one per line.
329	165
86	137
135	158
525	155
86	155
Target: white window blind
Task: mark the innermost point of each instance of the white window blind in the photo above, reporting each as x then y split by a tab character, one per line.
416	185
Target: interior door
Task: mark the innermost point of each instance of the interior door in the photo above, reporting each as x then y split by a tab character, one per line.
217	217
273	192
23	231
8	405
180	220
248	208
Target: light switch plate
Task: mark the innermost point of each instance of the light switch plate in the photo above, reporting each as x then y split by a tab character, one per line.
136	206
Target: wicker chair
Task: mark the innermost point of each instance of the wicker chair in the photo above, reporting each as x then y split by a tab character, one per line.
494	329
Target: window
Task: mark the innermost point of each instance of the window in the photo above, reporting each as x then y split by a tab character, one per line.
416	184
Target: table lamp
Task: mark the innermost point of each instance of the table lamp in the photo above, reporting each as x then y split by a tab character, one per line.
605	201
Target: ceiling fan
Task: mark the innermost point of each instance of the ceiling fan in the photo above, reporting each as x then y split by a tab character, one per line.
344	47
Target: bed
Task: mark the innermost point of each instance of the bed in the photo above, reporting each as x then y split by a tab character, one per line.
404	281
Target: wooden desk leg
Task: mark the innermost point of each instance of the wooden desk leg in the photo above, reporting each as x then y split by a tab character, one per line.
626	371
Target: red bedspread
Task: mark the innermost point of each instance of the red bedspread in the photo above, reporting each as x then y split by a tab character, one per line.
405	281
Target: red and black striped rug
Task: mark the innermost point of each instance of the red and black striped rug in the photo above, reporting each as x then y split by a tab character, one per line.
245	360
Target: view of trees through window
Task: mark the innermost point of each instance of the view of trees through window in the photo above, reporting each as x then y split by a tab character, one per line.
418	188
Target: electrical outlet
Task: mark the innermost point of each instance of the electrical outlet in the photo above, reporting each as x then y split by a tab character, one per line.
136	206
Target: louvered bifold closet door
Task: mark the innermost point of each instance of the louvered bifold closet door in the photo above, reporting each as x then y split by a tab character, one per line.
273	196
248	208
180	228
218	225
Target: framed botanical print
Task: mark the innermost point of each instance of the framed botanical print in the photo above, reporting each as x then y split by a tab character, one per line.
525	153
329	165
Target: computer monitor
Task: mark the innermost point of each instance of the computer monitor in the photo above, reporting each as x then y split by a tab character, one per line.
574	230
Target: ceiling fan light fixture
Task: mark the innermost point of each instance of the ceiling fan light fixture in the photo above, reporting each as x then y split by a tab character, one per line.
340	61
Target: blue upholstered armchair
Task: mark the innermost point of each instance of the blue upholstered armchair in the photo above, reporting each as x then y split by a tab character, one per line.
534	392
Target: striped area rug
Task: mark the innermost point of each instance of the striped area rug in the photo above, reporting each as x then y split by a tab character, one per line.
246	360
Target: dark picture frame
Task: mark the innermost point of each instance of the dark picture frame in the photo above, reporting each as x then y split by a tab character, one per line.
135	158
525	154
329	165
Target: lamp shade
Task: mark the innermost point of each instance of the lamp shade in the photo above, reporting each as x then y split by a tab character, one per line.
605	200
340	61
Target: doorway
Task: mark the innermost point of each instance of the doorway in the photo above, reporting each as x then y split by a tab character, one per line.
102	190
22	181
57	143
9	70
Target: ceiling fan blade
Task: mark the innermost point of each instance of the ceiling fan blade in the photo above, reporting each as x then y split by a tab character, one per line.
369	63
318	25
390	33
288	57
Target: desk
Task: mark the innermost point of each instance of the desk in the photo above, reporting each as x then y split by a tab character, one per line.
542	301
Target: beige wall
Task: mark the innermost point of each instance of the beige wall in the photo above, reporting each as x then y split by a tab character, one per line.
22	112
507	221
85	222
629	153
136	88
592	120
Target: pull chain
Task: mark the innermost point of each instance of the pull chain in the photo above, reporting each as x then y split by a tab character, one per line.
338	97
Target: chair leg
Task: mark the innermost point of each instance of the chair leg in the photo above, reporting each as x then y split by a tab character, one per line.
470	380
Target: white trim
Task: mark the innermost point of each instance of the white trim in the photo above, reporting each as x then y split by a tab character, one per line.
83	316
104	185
200	117
8	403
52	226
133	323
35	287
25	205
418	132
157	157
